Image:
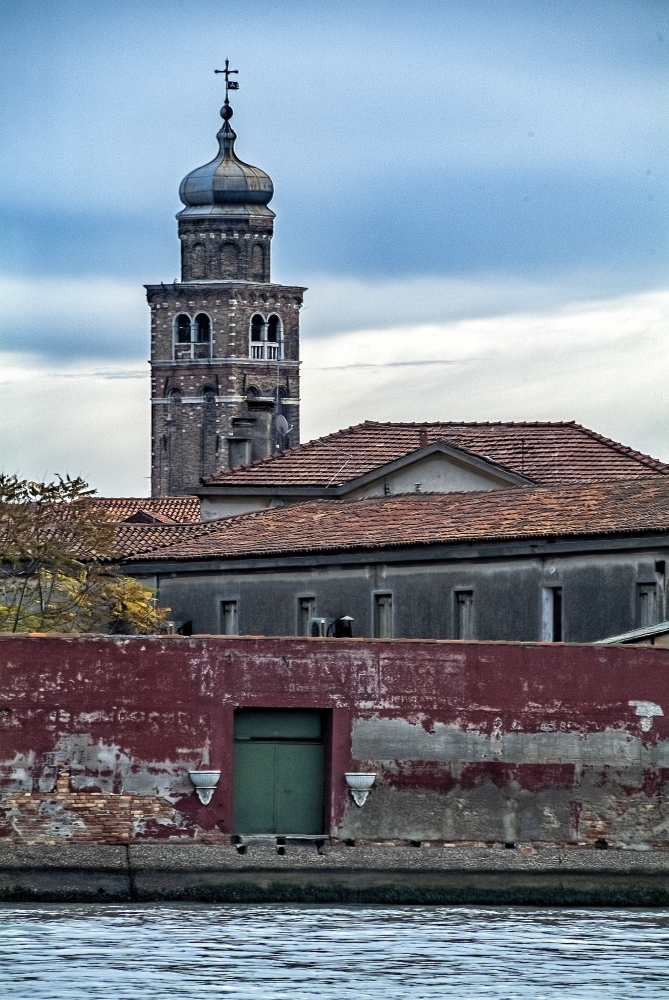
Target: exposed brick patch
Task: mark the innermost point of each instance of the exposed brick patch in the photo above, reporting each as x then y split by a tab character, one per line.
94	818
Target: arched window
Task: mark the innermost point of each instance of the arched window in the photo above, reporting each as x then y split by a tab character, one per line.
257	327
202	346
203	327
182	337
174	399
183	329
209	437
257	337
273	349
229	262
281	394
281	428
265	338
258	263
197	261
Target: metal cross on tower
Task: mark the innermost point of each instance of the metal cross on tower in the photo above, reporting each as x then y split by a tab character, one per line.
229	84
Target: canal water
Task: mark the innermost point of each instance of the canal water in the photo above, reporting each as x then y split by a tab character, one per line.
153	952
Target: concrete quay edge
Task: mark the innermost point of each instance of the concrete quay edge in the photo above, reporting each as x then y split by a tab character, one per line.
345	875
391	859
298	857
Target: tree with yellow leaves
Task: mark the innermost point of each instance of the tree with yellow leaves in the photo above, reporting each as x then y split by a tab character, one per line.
57	564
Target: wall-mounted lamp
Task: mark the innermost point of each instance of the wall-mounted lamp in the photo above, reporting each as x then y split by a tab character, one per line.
342	628
360	783
205	782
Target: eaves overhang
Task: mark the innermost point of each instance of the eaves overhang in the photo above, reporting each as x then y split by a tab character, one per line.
284	491
483	550
226	286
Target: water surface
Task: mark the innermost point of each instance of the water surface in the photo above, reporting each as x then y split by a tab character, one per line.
278	952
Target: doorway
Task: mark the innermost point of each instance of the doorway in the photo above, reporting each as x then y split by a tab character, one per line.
278	772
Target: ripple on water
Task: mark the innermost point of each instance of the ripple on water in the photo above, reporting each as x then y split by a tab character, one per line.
147	952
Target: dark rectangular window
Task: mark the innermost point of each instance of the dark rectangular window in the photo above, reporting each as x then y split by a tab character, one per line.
229	623
551	615
464	614
306	610
383	616
646	605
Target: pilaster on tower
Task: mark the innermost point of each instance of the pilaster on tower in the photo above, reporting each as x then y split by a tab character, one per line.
224	340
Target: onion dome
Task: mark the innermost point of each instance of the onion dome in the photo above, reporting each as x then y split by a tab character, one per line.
227	185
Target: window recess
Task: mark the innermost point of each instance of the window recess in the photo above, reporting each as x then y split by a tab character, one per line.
306	610
383	616
551	614
266	338
229	618
464	614
192	338
647	605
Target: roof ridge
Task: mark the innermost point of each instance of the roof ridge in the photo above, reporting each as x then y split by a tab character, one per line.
481	423
620	484
601	509
626	450
185	496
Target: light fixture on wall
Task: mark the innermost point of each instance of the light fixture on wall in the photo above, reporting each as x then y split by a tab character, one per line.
360	783
341	628
205	782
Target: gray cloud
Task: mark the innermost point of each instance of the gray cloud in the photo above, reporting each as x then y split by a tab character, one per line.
603	363
588	361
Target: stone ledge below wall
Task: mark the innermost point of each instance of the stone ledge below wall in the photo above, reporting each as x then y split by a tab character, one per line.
368	874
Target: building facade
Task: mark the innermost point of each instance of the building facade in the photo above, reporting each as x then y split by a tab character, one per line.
225	338
375	459
576	591
492	743
558	564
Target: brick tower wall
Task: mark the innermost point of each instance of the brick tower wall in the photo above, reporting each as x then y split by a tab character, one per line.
213	405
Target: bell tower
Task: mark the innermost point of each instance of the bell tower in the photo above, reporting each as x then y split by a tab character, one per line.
224	339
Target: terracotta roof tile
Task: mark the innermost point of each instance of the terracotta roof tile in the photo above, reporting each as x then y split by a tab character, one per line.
544	452
595	509
166	510
133	539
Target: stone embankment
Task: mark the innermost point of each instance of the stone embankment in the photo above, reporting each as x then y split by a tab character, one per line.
337	873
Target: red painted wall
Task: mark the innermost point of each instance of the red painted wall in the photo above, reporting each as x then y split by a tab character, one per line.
147	707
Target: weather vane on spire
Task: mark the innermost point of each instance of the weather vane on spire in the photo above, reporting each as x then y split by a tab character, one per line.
229	84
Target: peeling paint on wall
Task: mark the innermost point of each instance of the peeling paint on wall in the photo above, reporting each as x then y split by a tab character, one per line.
399	739
469	742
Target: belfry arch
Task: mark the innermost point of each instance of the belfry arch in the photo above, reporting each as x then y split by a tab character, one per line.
224	326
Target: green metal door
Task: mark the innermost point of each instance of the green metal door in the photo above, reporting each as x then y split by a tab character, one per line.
278	772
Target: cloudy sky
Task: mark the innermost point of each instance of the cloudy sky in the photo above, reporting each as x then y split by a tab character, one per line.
475	194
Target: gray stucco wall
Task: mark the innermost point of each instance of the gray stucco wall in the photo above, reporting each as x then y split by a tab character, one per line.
599	591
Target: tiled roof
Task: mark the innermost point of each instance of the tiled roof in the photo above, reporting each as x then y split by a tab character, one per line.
165	510
544	452
133	539
632	507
